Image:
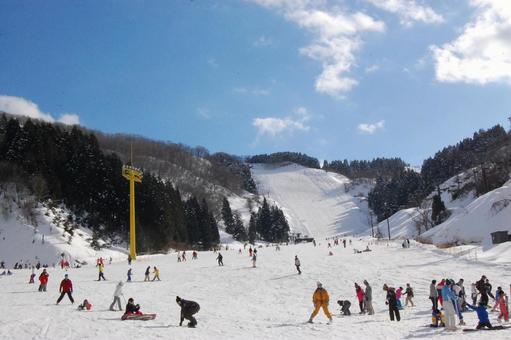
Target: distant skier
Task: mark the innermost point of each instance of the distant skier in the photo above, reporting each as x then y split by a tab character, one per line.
43	280
147	272
220	259
66	287
368	296
360	297
297	264
254	259
188	309
409	295
391	301
320	300
129	275
156	273
117	296
101	270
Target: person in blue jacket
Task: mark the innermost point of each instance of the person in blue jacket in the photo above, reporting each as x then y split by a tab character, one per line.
482	315
449	299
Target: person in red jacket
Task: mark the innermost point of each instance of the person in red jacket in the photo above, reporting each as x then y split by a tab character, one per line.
360	298
43	279
66	287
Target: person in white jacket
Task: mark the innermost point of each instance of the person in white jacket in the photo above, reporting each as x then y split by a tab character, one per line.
117	296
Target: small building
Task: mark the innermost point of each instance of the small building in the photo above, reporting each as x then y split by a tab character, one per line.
500	237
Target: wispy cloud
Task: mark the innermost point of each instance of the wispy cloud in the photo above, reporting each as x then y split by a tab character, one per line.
274	126
204	112
252	91
336	38
24	107
372	68
262	41
212	62
409	11
371	128
481	54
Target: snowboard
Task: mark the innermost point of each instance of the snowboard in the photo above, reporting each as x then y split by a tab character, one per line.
495	328
143	317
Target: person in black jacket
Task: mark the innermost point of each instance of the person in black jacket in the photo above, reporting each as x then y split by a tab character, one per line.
188	309
132	308
392	303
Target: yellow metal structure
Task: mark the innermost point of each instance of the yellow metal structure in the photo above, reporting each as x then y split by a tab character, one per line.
133	175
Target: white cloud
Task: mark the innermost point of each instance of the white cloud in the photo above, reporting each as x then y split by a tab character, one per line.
213	63
252	91
23	107
336	38
262	41
272	126
204	112
482	53
370	128
409	11
372	68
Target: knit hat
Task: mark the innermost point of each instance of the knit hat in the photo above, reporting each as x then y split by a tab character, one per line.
178	299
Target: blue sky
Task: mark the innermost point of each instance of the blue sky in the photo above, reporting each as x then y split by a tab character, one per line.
332	78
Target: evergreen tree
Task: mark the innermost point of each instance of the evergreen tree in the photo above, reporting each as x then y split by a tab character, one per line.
240	234
437	209
252	228
227	217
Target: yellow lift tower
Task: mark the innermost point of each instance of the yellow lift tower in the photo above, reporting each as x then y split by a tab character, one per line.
133	175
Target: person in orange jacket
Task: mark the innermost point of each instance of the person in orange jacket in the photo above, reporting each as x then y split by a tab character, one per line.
320	300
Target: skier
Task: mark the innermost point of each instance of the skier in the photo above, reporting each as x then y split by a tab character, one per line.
449	300
101	269
345	307
503	306
43	279
129	275
391	301
320	300
254	259
433	295
147	271
156	273
360	298
297	264
117	296
188	309
85	305
66	287
368	296
220	260
482	315
409	295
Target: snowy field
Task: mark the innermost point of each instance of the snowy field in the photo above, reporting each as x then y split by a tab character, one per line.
240	302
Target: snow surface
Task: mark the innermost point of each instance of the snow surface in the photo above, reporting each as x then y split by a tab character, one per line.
316	203
240	302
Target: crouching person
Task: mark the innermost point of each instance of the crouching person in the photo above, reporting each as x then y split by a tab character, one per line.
188	309
345	307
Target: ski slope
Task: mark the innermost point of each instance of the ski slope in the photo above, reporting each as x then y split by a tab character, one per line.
240	302
316	202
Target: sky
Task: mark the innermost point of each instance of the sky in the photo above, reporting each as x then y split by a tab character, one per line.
336	79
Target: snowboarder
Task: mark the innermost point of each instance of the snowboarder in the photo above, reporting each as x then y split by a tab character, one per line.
129	275
409	295
391	301
101	269
117	296
320	300
147	271
43	280
85	305
220	260
360	297
297	264
368	296
482	315
188	309
448	298
254	259
433	295
156	273
66	287
345	307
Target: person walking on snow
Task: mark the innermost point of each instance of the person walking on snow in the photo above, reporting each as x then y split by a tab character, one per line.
66	287
449	300
117	296
360	298
43	280
254	259
391	301
147	272
368	296
101	270
188	309
433	295
129	275
481	287
32	276
220	259
297	265
473	293
320	300
156	273
409	295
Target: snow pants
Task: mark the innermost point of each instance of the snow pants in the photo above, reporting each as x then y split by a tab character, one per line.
156	277
62	296
317	307
504	313
394	312
409	299
101	276
481	325
298	268
434	301
361	306
369	307
450	318
42	287
118	300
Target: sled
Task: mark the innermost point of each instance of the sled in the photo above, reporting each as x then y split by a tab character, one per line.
143	317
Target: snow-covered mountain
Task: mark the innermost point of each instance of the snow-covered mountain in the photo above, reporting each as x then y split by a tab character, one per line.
317	203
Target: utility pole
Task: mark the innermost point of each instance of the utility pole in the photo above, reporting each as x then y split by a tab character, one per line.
372	227
388	213
133	175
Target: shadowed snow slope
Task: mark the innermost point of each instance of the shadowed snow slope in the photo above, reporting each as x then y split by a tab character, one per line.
315	201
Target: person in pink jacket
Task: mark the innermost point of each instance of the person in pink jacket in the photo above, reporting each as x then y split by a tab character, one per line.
399	292
504	311
360	297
